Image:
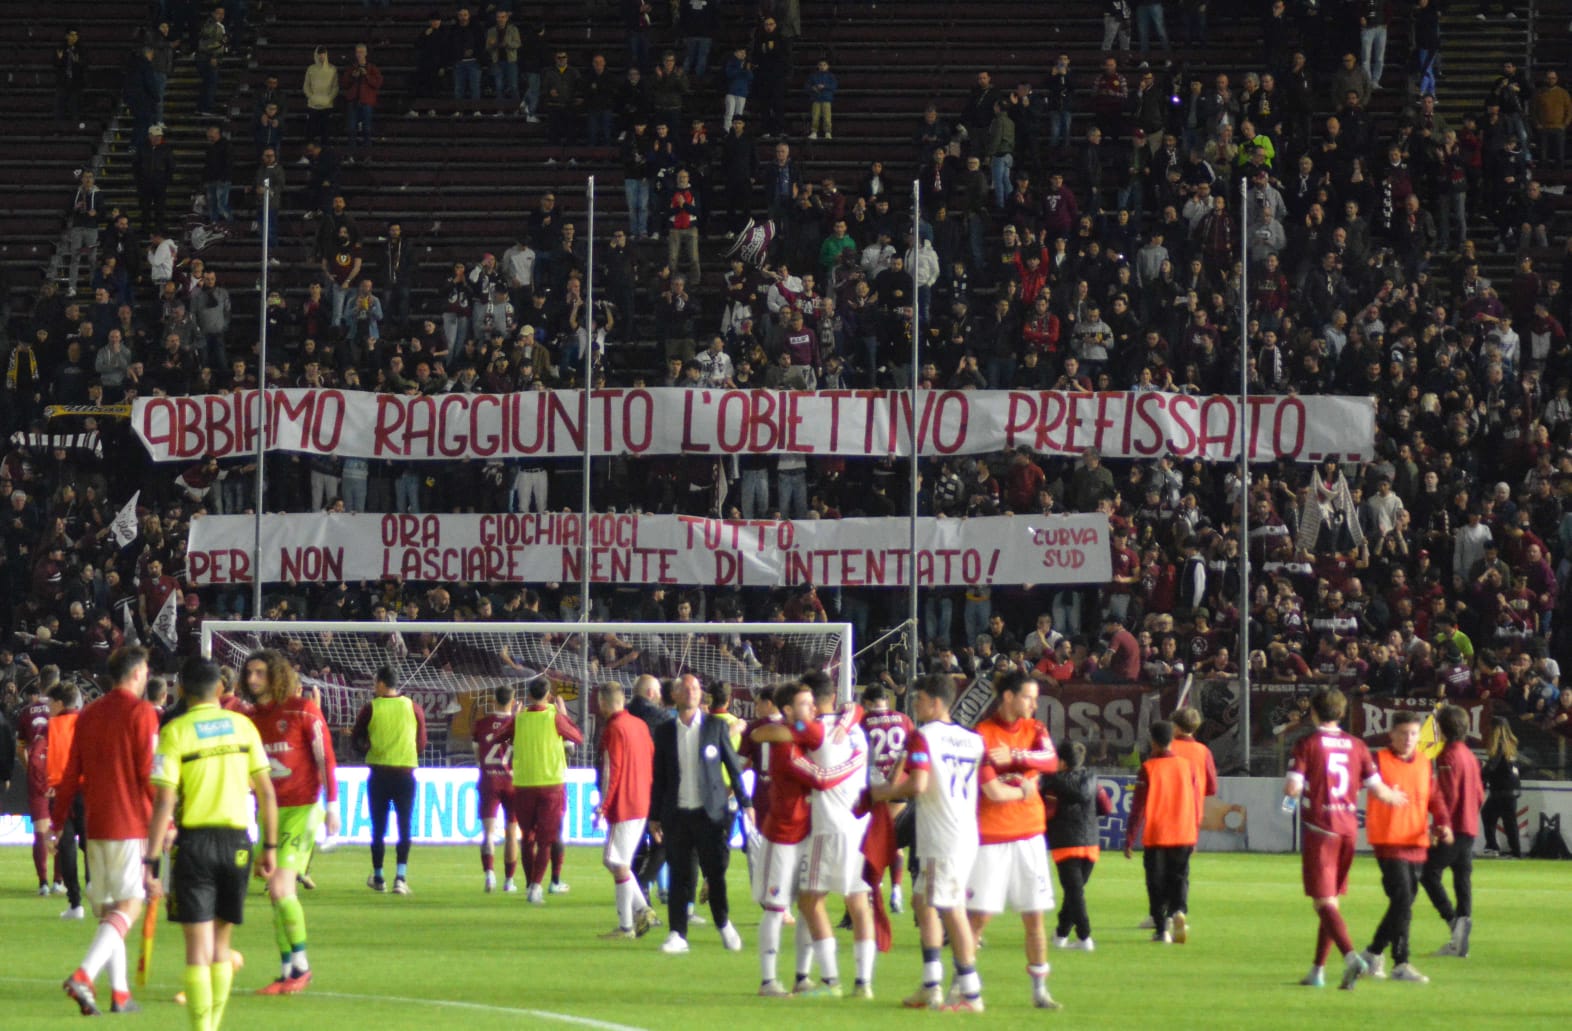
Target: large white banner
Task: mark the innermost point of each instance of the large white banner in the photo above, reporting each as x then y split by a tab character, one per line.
669	421
652	549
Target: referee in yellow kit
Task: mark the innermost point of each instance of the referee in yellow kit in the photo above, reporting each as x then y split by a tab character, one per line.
209	760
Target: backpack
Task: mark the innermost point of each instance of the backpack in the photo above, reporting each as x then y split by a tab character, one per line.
1548	843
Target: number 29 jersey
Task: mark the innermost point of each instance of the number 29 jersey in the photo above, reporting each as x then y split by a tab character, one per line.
1333	766
888	735
947	810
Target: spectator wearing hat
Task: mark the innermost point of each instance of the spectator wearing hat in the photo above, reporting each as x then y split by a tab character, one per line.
154	170
321	88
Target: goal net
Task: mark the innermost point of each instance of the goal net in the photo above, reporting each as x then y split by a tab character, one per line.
451	668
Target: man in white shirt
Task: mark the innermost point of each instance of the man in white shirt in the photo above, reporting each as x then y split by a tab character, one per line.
696	772
161	254
716	364
518	265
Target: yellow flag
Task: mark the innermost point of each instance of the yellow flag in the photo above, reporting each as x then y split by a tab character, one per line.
1430	743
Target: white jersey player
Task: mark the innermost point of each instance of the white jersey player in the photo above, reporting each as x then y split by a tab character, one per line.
943	766
833	862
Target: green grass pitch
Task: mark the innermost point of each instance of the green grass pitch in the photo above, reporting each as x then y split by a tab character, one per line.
450	956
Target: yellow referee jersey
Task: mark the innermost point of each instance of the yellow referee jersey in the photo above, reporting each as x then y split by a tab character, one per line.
208	755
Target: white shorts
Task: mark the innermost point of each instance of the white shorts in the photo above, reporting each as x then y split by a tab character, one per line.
775	873
942	881
622	841
1010	875
832	865
114	871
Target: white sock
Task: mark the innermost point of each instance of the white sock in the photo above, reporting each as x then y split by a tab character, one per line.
863	953
970	983
299	962
932	972
804	943
117	966
824	953
636	894
286	969
770	943
1039	975
103	947
625	904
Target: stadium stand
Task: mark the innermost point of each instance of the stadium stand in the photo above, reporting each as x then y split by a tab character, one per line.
466	179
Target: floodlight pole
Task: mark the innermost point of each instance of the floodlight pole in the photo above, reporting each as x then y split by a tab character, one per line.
587	323
1244	473
262	411
915	638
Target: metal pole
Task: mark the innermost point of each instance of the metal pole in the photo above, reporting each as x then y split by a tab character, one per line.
912	617
1244	473
588	324
262	413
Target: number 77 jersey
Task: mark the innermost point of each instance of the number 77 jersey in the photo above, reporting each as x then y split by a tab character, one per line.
947	810
1332	767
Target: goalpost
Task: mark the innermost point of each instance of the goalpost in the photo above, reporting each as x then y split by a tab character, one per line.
451	668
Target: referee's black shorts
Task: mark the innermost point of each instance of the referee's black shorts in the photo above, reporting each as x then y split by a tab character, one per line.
210	868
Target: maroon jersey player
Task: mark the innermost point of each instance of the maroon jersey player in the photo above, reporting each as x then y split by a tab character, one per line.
1328	769
757	754
32	725
493	738
887	732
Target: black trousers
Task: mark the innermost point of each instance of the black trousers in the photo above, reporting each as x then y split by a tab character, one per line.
73	842
1073	875
1503	809
738	198
1400	881
1167	870
1459	858
387	786
154	201
692	833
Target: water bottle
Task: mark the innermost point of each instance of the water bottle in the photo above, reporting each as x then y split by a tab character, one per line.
1290	803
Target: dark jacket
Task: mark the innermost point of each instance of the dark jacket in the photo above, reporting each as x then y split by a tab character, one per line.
141	89
466	42
216	165
1501	777
739	157
715	754
1074	823
653	715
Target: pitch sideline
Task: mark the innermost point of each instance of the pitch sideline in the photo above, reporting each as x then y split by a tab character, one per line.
478	1007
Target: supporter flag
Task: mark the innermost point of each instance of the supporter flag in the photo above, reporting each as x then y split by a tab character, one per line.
1430	743
133	638
124	527
753	243
165	625
878	854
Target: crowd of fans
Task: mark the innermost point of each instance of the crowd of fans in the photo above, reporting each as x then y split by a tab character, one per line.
1056	250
